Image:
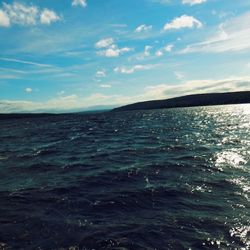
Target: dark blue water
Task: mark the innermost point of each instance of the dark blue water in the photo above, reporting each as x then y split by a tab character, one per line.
162	179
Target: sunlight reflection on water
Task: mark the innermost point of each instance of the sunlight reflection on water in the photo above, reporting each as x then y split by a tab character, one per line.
177	177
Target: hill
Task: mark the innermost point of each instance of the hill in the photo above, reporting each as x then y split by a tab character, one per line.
191	101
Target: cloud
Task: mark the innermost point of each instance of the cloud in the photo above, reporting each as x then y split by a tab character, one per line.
131	70
28	90
161	91
48	17
167	48
100	73
25	62
119	25
147	50
9	76
104	43
200	86
162	1
232	35
183	21
159	53
82	3
62	92
113	51
105	86
193	2
20	14
179	75
4	19
142	28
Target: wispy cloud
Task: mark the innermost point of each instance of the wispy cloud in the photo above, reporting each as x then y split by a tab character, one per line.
8	76
201	86
147	50
28	90
193	2
133	69
100	74
82	3
105	86
143	27
162	1
232	35
183	21
4	69
119	25
179	75
25	62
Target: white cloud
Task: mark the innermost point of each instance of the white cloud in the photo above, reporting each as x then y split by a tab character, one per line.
179	75
110	48
20	14
159	53
104	43
100	73
105	86
203	86
131	70
28	90
193	2
147	50
113	51
48	17
143	27
167	48
142	55
232	35
58	103
183	21
82	3
160	91
4	19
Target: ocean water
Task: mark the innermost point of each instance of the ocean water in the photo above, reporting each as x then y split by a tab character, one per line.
161	179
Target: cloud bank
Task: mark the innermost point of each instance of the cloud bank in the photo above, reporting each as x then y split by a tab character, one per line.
161	91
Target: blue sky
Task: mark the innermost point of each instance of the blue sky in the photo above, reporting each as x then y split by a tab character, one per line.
74	54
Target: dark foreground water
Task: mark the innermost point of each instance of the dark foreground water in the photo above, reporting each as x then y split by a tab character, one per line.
163	179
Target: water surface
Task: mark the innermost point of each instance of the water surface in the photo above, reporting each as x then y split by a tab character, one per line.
161	179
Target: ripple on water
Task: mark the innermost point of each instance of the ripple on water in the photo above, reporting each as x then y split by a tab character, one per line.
161	179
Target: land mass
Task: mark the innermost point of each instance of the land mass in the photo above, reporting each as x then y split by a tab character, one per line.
210	99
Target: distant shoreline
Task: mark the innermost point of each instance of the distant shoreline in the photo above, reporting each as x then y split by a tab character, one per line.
198	100
211	99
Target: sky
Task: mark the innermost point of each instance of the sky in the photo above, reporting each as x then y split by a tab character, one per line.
63	55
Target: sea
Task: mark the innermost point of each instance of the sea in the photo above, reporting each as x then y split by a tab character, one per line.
157	179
